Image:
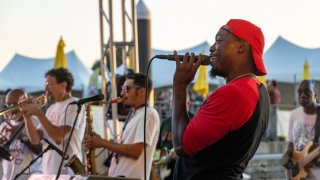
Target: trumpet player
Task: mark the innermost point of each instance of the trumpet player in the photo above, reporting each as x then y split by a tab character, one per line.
56	123
20	149
128	159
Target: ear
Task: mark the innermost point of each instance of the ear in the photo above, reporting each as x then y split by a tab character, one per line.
64	85
244	46
142	92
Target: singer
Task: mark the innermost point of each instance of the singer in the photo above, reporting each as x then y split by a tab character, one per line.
219	141
53	125
128	159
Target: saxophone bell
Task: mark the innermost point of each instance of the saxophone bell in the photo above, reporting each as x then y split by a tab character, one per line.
75	164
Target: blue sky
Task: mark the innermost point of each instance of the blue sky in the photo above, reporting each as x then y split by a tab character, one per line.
33	27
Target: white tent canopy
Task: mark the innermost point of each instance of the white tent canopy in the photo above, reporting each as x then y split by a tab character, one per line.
162	70
284	61
28	73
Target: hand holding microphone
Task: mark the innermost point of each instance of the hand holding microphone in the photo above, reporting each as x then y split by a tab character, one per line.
185	72
205	59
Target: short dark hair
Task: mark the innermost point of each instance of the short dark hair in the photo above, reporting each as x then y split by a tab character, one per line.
62	75
274	83
310	82
140	80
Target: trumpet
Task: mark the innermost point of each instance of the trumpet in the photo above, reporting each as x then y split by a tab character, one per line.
14	112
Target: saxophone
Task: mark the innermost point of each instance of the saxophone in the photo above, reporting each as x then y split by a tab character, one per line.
90	159
89	166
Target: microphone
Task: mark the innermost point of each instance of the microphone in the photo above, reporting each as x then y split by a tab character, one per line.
205	59
89	99
52	146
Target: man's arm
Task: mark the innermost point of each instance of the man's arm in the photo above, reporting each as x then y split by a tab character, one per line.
36	149
57	133
130	150
183	76
180	118
34	134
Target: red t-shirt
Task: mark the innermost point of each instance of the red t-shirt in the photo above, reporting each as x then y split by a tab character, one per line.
225	110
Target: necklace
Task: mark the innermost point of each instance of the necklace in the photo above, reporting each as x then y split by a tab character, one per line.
244	75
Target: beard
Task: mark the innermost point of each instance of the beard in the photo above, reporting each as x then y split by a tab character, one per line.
212	73
127	106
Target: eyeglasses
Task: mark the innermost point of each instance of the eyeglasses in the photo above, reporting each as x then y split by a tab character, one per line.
8	105
126	88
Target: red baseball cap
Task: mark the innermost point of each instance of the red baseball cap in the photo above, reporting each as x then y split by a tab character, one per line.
245	30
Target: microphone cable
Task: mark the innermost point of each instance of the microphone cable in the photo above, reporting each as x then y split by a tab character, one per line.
145	118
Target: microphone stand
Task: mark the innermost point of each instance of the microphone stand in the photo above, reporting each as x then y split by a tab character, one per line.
69	139
33	161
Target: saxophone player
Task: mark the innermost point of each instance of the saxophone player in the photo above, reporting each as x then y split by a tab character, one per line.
20	148
128	160
56	123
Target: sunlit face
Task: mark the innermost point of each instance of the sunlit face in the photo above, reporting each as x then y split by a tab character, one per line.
222	53
53	88
130	92
307	95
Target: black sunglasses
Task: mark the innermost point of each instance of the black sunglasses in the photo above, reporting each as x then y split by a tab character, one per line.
9	105
127	87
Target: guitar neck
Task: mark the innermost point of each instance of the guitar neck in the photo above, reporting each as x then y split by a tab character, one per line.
311	156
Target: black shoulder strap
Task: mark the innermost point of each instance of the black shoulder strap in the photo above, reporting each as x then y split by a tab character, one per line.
317	127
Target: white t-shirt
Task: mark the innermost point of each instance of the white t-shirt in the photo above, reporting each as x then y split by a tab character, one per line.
21	153
301	128
56	115
133	133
